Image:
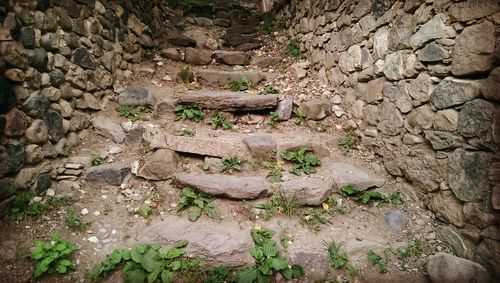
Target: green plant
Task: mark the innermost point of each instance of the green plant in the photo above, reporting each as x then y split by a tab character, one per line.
299	117
53	256
218	120
267	23
145	147
220	274
333	206
240	83
273	119
23	205
270	90
347	144
375	259
275	168
190	112
313	219
292	49
338	258
197	204
187	133
367	196
279	204
75	223
282	24
135	112
230	163
146	262
144	211
95	160
286	240
267	259
186	74
414	249
304	161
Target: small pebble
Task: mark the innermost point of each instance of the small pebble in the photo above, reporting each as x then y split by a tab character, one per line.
97	213
84	211
93	239
50	193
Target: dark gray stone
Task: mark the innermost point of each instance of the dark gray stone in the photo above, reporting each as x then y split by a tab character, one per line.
72	40
27	37
82	58
395	219
36	105
136	95
44	182
475	118
7	188
57	78
54	125
112	174
182	41
443	140
38	59
7	96
452	92
50	42
432	52
468	175
16	156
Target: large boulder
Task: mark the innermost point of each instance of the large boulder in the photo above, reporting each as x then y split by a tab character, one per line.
446	268
136	95
305	191
110	174
343	174
160	165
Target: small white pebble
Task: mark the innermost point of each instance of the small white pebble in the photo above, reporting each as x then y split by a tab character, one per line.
50	193
84	211
93	239
97	213
113	232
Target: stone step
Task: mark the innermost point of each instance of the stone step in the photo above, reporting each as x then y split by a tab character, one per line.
217	243
343	174
238	39
220	78
181	40
216	147
229	100
235	187
232	57
241	30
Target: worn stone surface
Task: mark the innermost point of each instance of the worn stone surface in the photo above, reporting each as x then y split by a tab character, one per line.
476	215
432	52
446	120
217	147
284	109
487	255
306	191
451	92
228	100
443	140
112	174
219	243
36	105
220	78
343	174
420	169
232	57
198	56
457	243
433	29
468	174
390	119
446	268
473	9
234	187
109	128
395	219
495	197
159	165
172	54
136	95
473	51
475	118
448	208
15	123
262	147
490	86
315	109
82	58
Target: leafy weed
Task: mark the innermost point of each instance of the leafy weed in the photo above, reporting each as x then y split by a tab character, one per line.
347	144
376	259
95	160
273	119
53	256
230	164
277	205
186	74
134	113
218	120
292	49
240	83
197	203
304	161
189	112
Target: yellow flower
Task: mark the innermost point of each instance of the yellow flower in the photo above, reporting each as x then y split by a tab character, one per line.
326	206
258	227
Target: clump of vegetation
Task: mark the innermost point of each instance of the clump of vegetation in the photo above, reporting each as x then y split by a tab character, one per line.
313	219
305	161
53	256
145	147
268	260
240	83
220	274
333	206
190	112
230	164
267	23
292	49
339	258
218	120
270	90
275	169
186	133
134	112
146	262
376	259
367	196
279	204
74	222
299	117
197	203
282	24
414	249
186	74
273	119
144	212
95	160
347	144
24	205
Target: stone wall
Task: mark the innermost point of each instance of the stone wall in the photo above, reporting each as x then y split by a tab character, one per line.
420	82
59	60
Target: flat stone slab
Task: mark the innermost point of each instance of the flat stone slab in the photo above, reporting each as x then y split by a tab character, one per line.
216	147
112	174
234	187
229	100
218	243
108	128
181	40
306	191
220	78
343	174
232	57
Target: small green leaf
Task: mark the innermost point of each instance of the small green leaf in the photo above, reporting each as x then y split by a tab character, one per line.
199	203
61	269
279	263
167	276
247	275
195	213
175	265
212	212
